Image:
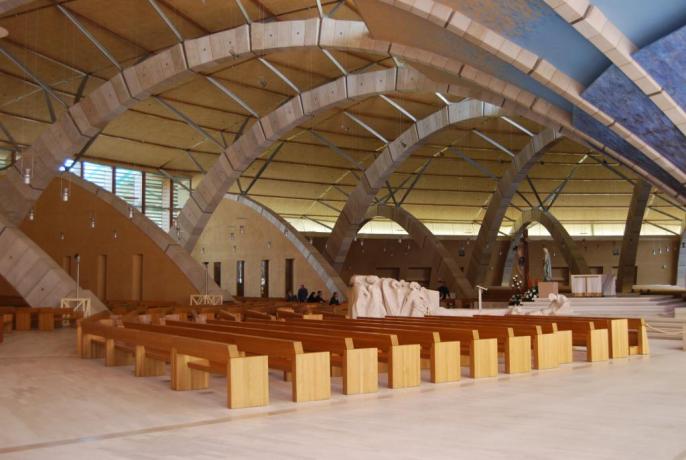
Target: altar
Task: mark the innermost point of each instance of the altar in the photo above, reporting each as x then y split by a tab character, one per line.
587	285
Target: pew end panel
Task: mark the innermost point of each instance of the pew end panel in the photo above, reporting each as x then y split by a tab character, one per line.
404	367
618	332
116	355
311	376
146	365
518	354
598	348
445	362
565	346
184	377
546	353
483	355
247	382
360	371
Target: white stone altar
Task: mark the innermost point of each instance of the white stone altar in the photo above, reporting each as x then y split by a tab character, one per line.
373	297
559	306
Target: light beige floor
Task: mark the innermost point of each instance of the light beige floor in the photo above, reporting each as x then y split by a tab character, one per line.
54	405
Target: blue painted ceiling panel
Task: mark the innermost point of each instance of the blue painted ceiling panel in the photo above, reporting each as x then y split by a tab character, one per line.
665	61
602	133
535	26
620	98
644	21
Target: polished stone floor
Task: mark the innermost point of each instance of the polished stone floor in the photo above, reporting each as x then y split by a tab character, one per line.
56	406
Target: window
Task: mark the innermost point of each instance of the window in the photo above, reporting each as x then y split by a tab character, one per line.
157	199
100	175
181	187
218	273
289	276
128	184
76	167
240	279
264	278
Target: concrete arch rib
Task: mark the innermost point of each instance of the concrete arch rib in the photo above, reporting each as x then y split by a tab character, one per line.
183	260
33	273
317	261
632	232
393	155
501	199
576	262
168	68
442	261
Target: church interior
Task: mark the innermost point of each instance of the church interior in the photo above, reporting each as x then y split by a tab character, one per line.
289	229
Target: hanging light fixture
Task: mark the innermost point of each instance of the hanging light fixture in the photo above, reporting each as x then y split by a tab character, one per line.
61	236
27	176
115	235
130	212
269	244
65	194
32	215
93	221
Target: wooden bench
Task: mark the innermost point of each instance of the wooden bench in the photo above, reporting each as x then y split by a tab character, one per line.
403	361
311	371
584	332
519	344
482	351
359	368
191	361
282	313
550	347
444	357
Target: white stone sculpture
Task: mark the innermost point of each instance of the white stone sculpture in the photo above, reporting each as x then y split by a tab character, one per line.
374	297
559	306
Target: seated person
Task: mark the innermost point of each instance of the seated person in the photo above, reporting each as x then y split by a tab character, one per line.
319	298
334	299
290	297
312	298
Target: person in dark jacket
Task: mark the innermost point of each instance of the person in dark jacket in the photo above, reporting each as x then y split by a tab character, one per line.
302	294
443	290
312	298
334	299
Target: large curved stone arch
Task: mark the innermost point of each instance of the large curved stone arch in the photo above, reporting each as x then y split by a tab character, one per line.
437	16
376	175
177	255
576	262
442	261
33	273
501	199
317	261
168	68
626	268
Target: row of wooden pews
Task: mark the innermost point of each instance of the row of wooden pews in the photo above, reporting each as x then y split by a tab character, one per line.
41	318
309	347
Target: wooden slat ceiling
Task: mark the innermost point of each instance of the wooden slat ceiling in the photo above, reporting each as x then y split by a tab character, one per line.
302	174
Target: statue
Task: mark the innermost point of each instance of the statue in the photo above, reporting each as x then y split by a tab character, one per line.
374	297
547	265
559	306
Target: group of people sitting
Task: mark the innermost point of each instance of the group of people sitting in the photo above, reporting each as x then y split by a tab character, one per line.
304	296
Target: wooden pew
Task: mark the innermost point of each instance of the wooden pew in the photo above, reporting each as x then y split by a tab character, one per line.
22	319
359	365
483	352
191	361
282	313
310	371
638	337
7	314
550	346
444	356
584	332
519	344
617	331
403	360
